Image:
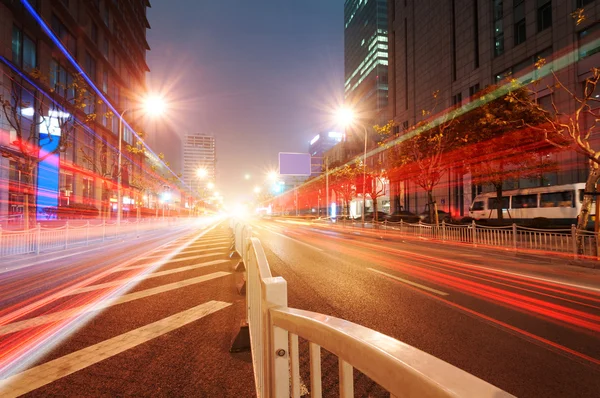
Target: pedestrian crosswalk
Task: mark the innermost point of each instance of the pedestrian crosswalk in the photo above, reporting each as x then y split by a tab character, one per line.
207	264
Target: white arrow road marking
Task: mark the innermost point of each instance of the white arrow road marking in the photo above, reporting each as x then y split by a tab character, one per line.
73	312
39	376
138	278
415	284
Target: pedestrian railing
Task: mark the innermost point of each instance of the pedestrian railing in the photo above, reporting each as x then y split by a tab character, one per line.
40	239
275	330
568	241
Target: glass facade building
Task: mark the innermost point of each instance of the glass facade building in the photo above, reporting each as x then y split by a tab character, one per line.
366	58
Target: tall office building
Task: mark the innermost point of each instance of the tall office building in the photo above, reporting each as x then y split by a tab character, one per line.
459	47
199	153
106	41
366	58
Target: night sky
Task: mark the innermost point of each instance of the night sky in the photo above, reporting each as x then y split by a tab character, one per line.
263	76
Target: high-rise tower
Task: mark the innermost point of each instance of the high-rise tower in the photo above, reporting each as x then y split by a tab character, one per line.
366	58
199	153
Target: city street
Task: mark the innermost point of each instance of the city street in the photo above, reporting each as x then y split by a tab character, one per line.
140	318
527	326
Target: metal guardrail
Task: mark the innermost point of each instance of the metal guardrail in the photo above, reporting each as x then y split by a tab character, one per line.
570	241
40	239
275	328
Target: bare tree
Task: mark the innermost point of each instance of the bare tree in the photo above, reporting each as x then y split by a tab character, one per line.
343	182
499	145
43	122
575	128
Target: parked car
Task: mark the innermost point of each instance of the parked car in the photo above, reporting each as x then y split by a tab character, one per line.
381	215
404	216
442	216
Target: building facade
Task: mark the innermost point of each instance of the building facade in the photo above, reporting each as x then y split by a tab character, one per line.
199	153
459	47
366	59
318	146
49	50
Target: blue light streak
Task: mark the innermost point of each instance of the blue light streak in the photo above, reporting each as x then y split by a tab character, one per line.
40	90
73	61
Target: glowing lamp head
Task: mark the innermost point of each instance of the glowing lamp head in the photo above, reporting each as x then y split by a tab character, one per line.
345	116
154	105
256	189
210	185
272	175
201	173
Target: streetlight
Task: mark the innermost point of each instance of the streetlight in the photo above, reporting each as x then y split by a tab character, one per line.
256	190
247	176
201	172
272	175
210	186
153	105
347	117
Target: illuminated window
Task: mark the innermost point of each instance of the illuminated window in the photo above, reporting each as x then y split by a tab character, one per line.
498	28
17	45
105	81
588	41
23	50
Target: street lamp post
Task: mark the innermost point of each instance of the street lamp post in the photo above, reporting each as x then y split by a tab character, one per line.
346	117
152	104
119	205
364	207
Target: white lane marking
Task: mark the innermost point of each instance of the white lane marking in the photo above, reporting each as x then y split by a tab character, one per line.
469	265
203	242
298	241
148	265
138	278
429	289
203	250
39	376
176	260
73	312
57	295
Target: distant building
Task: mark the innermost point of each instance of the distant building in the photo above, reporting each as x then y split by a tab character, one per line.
199	153
320	144
366	58
460	47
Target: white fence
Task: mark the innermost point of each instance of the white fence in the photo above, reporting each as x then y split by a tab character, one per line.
569	241
275	329
40	239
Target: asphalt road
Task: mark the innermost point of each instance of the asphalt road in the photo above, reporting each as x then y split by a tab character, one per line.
527	326
147	317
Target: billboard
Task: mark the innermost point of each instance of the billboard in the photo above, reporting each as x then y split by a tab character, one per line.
294	164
